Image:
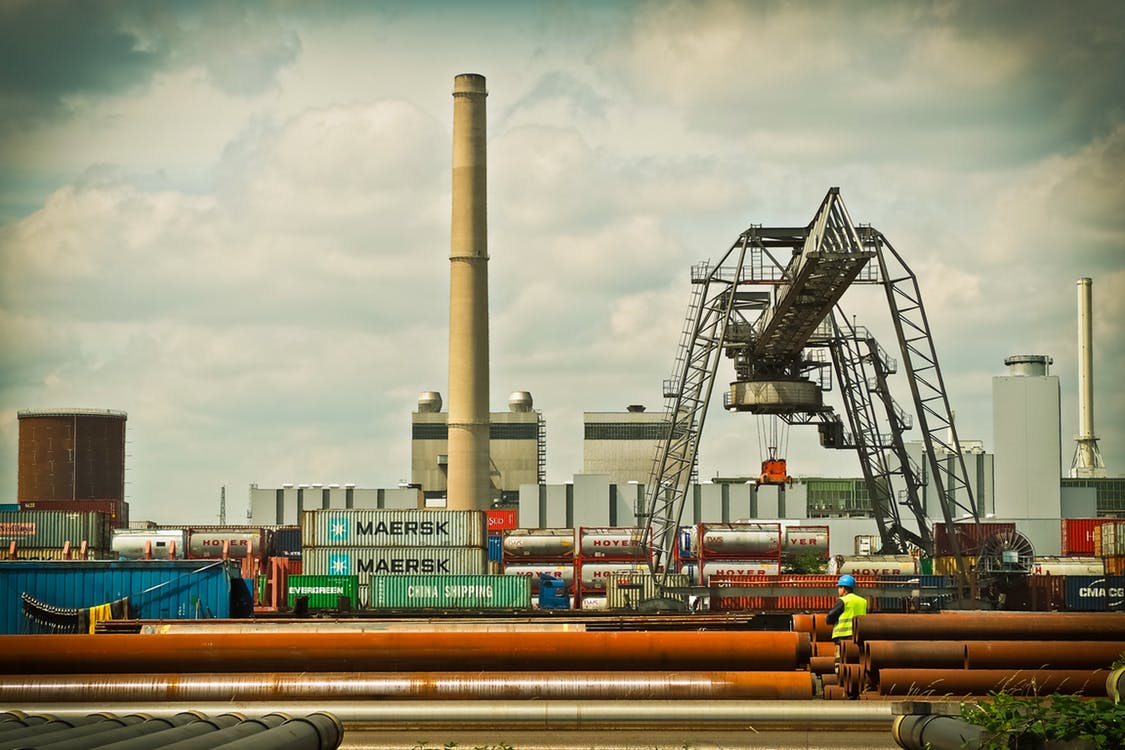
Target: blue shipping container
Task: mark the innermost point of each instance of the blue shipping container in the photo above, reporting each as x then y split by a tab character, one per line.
1095	593
156	590
496	547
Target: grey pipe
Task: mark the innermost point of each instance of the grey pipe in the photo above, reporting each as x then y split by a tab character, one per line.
315	732
547	714
933	732
230	734
53	724
175	734
86	733
137	729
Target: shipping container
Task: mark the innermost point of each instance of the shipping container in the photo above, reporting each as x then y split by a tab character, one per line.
1109	539
867	544
286	542
365	527
539	544
804	540
880	565
1114	566
495	547
209	542
118	510
701	573
686	535
592	575
946	565
60	593
370	561
627	590
1095	593
820	601
1078	535
501	519
66	552
1068	566
970	535
727	541
533	570
156	544
43	529
607	543
449	592
323	592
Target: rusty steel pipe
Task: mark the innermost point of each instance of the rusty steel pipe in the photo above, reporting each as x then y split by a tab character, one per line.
928	654
383	651
992	626
1042	654
822	664
789	685
959	682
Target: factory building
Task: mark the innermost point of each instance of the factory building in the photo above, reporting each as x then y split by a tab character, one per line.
517	448
1026	423
622	445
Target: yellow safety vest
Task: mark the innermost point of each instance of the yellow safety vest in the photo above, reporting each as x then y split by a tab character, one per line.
853	605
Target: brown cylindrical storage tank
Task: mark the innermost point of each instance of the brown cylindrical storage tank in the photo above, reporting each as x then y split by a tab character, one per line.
71	454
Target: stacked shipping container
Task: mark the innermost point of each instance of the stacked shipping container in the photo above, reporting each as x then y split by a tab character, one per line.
537	552
745	549
605	553
54	535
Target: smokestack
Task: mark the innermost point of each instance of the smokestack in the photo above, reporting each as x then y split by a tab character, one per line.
468	479
1087	456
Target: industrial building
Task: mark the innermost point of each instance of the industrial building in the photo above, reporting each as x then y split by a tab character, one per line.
517	449
622	445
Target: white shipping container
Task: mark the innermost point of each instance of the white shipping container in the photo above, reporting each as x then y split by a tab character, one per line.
628	543
547	544
368	527
162	543
368	561
534	570
593	575
730	540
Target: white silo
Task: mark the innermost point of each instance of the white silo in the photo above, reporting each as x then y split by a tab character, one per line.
1026	425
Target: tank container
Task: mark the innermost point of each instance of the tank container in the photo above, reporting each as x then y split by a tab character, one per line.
592	603
162	544
1095	593
46	529
539	544
450	592
804	540
607	543
592	576
207	543
393	528
739	540
323	592
534	570
370	561
880	565
1068	566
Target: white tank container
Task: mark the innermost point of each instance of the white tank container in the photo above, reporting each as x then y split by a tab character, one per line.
628	543
879	565
534	570
745	568
207	544
130	545
544	544
734	540
593	575
804	540
1068	566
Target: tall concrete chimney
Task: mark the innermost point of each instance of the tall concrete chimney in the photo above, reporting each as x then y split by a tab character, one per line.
468	478
1087	456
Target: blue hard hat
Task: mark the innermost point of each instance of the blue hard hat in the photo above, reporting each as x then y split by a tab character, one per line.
846	580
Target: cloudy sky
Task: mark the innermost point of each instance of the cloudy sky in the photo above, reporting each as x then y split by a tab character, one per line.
231	219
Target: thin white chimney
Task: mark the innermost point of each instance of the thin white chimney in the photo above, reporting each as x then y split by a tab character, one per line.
1087	456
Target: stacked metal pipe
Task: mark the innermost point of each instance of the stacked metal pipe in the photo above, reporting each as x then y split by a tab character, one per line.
965	654
188	730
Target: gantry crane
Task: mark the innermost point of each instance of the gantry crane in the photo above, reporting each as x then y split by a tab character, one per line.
780	322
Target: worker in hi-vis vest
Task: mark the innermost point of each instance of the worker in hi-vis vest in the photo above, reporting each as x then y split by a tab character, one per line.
842	616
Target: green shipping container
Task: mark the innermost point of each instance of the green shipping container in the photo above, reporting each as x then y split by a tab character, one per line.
450	592
324	592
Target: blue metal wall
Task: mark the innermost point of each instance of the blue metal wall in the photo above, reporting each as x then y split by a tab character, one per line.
157	589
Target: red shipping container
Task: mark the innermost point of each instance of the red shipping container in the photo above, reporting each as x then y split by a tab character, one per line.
1078	535
789	602
499	520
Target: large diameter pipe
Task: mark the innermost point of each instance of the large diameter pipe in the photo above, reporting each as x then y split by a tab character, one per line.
804	715
468	484
931	654
992	626
315	732
957	682
49	725
86	732
234	733
383	651
931	732
1042	654
130	730
216	721
787	685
